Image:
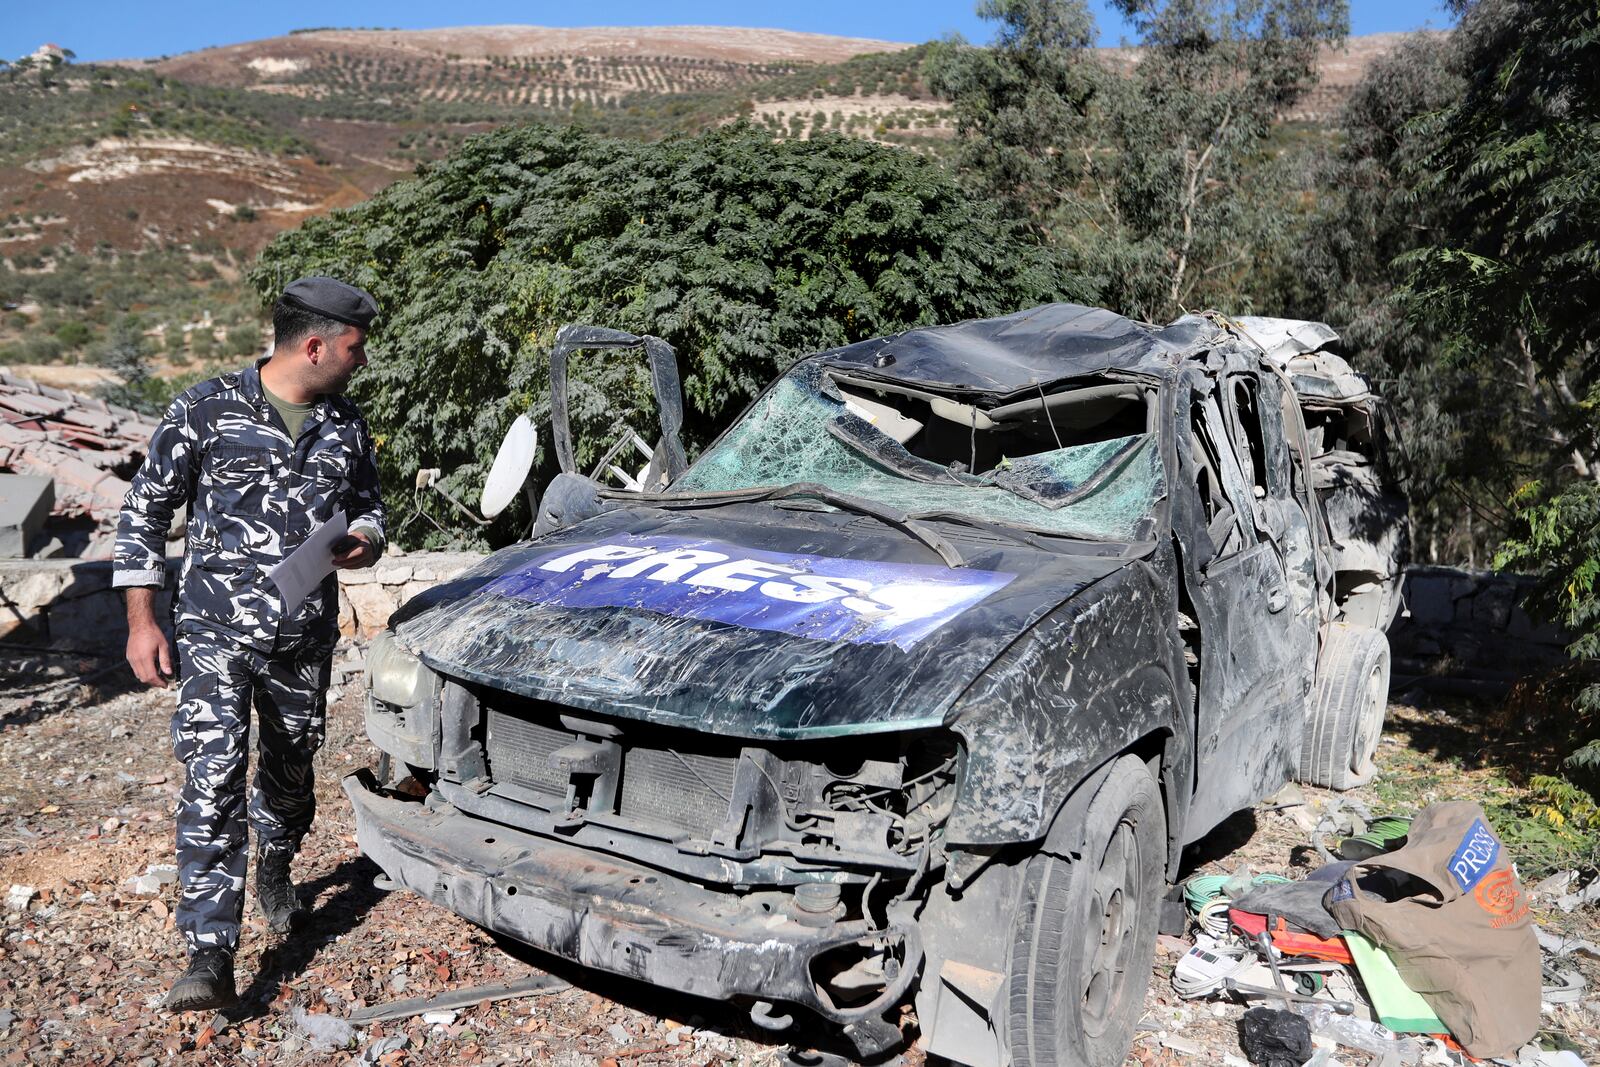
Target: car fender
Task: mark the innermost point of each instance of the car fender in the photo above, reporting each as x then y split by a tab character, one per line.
1090	681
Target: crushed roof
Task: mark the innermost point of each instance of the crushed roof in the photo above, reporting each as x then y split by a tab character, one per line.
1019	352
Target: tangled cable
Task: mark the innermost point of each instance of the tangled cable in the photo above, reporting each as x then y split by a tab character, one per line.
1207	898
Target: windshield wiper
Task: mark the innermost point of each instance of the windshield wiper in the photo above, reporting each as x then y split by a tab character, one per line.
811	490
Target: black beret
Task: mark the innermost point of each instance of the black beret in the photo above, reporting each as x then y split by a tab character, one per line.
333	299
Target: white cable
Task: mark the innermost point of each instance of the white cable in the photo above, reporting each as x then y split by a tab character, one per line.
1213	918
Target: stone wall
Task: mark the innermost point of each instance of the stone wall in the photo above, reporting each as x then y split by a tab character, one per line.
1470	625
69	603
368	597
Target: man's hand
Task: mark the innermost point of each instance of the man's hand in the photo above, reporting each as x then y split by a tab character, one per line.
149	653
354	550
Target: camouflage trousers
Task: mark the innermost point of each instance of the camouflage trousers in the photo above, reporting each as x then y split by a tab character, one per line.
220	680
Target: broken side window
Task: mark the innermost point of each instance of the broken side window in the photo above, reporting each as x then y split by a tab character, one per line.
925	454
1217	478
1248	442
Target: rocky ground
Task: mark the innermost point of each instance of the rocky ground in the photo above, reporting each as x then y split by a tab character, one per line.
87	784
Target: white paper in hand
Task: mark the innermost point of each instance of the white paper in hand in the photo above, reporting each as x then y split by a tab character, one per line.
307	565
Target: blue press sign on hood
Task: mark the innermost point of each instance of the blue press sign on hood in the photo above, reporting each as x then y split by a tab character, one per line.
821	597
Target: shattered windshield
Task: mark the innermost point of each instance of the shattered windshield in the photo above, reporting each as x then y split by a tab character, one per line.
803	431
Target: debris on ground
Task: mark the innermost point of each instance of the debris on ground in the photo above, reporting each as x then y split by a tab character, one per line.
83	969
1274	1038
1291	944
325	1032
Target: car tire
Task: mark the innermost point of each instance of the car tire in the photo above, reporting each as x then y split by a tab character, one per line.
1084	933
1347	709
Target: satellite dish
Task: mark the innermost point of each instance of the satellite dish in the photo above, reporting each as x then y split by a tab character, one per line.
510	469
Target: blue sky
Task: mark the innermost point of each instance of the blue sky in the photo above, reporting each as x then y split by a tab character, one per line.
110	29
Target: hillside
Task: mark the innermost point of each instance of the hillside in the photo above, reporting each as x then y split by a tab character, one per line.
507	67
175	171
228	145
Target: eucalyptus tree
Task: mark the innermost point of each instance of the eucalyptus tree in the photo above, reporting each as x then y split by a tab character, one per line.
1155	164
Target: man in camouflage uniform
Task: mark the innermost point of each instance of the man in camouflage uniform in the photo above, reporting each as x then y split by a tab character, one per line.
261	458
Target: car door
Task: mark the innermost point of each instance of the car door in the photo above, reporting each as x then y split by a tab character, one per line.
665	460
1256	407
1246	633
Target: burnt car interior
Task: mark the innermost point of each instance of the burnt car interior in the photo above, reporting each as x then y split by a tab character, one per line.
949	431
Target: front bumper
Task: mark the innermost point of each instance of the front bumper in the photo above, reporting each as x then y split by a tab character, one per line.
611	915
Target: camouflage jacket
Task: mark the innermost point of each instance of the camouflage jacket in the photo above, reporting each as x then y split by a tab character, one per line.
253	497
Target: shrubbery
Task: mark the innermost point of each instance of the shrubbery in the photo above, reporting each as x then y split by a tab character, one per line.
83	299
742	253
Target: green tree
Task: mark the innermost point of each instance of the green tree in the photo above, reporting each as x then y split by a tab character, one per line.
203	342
1348	271
73	333
124	355
245	340
1022	105
741	252
1513	280
1512	277
1153	170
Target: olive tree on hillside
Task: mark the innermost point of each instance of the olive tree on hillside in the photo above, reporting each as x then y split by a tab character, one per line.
742	253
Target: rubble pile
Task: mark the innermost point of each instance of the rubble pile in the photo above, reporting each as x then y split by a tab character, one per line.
89	447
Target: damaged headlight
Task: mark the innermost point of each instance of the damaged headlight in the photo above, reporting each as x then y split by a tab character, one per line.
394	675
896	804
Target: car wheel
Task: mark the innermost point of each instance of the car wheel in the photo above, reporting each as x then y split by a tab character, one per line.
1085	928
1347	708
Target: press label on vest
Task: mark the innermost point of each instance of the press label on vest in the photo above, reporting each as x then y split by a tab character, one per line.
1474	857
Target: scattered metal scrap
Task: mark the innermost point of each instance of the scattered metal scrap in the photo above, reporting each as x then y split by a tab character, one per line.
457	998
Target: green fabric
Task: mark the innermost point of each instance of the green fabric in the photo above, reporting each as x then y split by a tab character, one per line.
293	415
1396	1004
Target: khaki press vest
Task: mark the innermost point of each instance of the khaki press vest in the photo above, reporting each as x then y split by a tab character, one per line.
1463	940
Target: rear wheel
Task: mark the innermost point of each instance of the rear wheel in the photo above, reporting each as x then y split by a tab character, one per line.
1085	931
1347	708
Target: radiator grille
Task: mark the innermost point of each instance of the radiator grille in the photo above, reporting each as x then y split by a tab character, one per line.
691	793
664	782
518	751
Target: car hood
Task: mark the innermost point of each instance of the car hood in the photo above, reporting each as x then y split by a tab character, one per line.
748	620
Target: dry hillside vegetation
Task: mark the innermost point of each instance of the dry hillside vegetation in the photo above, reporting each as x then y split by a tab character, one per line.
207	155
510	66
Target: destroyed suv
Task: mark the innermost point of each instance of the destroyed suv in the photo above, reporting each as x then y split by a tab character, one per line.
914	685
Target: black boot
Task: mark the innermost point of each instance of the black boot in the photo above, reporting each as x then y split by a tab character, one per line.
275	893
206	984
